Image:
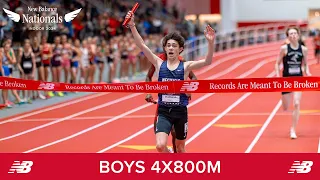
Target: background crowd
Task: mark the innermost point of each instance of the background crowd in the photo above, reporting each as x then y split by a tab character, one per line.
92	48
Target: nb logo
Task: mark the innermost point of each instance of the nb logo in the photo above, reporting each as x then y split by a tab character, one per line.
189	86
301	167
23	167
47	86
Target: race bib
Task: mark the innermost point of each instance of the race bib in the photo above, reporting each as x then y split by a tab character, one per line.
294	70
38	59
27	65
45	57
171	98
58	58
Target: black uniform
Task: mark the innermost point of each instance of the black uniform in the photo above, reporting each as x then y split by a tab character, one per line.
292	62
26	63
38	57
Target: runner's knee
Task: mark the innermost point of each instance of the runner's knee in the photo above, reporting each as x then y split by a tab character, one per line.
161	147
161	143
285	101
296	104
296	101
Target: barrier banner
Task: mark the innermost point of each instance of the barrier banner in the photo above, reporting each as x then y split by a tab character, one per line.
188	166
199	86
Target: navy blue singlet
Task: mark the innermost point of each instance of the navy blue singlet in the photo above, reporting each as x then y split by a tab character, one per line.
172	100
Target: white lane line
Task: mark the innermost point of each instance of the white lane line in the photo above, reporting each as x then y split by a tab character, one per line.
53	107
267	122
263	128
152	116
144	106
69	117
259	65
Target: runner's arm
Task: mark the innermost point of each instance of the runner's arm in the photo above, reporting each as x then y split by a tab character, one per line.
10	59
1	68
140	42
305	61
192	65
192	76
14	58
19	60
279	60
209	34
34	64
150	73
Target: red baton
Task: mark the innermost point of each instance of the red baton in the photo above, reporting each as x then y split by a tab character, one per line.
133	10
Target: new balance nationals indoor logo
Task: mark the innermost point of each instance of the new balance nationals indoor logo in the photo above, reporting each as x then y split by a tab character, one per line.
37	21
21	167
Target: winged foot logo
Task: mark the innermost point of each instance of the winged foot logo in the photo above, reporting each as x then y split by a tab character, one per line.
38	19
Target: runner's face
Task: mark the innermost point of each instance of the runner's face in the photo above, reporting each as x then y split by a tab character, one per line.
84	43
35	41
293	35
172	48
64	39
7	47
27	46
9	42
57	40
43	40
77	43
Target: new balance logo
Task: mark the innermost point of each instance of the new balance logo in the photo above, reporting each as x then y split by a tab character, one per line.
21	167
47	86
189	86
301	167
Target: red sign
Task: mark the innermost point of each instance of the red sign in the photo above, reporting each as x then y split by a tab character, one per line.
199	86
159	166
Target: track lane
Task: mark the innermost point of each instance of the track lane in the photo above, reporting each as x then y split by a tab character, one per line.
140	139
275	137
106	130
9	129
61	129
150	140
49	108
230	53
224	101
104	114
232	134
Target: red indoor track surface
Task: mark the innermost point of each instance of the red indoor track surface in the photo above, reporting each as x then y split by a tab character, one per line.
122	122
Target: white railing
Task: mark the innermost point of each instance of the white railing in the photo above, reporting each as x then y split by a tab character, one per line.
245	36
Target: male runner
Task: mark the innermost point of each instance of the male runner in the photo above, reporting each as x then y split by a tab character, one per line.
172	109
150	99
294	59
